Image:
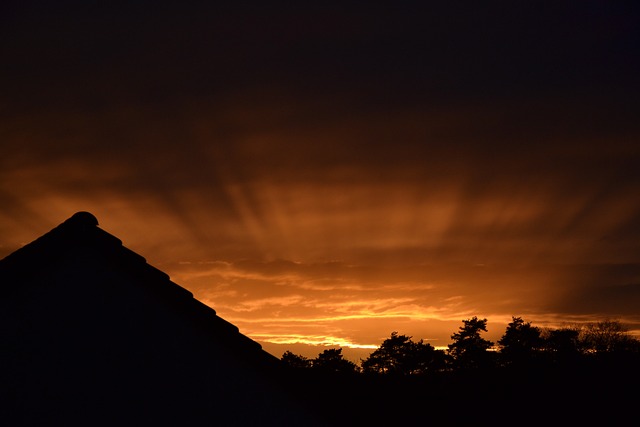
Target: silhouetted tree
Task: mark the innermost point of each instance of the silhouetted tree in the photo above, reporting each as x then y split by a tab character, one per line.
562	345
429	359
401	356
469	349
521	342
606	337
331	360
295	361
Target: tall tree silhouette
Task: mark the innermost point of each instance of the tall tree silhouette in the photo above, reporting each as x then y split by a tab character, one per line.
521	342
469	349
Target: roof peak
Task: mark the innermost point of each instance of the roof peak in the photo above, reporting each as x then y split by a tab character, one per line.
83	218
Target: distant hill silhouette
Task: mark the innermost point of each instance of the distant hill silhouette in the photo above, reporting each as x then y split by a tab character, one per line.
93	335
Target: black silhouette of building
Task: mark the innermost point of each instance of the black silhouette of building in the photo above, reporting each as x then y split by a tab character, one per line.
93	335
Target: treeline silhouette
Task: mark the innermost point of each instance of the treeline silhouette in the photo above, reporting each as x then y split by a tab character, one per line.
521	345
581	373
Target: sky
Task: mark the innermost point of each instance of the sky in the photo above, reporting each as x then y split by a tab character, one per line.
325	174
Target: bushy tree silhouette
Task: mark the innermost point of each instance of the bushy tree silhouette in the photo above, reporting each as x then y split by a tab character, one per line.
295	361
399	355
469	349
521	342
562	345
608	336
332	360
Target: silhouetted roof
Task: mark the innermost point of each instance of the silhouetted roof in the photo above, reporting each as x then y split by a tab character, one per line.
81	233
89	327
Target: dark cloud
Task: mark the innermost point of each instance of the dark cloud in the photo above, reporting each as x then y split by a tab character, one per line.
604	290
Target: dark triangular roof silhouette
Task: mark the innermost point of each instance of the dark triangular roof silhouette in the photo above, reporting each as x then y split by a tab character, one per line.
91	332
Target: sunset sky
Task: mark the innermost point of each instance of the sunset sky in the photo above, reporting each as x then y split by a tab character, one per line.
328	174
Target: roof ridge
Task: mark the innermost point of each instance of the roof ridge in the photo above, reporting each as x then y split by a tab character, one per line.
77	228
82	230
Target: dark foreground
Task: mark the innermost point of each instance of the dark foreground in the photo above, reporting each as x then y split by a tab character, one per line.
591	395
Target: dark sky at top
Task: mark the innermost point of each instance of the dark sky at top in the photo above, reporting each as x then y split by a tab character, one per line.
381	53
